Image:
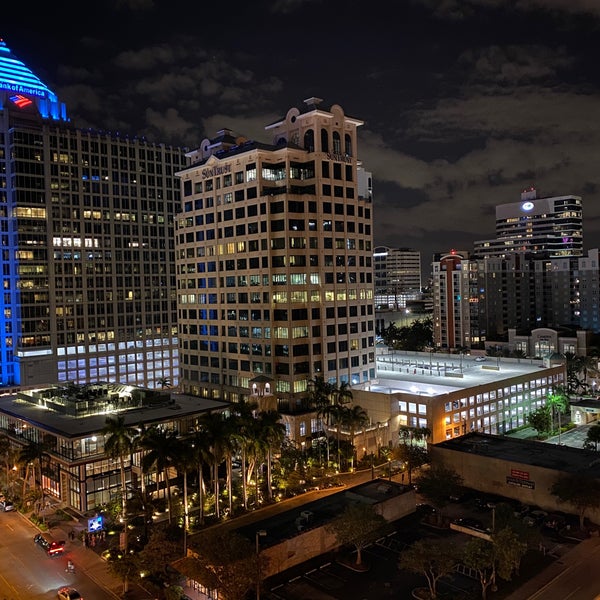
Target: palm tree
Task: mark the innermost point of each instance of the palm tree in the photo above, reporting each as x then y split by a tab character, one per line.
200	448
164	382
216	429
558	401
320	396
32	457
243	436
355	417
118	444
411	435
337	412
140	432
230	446
161	451
10	455
184	461
272	433
342	395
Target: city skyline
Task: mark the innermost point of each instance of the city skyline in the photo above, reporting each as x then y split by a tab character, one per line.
465	104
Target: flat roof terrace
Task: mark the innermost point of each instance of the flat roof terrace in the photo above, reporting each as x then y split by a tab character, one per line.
434	374
71	427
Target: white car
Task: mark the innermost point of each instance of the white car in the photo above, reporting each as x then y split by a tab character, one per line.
6	505
68	593
480	359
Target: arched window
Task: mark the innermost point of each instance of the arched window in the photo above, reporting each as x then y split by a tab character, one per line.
309	140
324	141
337	143
348	144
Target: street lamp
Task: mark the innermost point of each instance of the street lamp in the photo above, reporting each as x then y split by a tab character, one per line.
260	533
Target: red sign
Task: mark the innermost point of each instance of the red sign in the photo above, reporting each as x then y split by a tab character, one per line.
518	474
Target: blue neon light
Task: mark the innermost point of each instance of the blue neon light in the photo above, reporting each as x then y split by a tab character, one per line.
18	79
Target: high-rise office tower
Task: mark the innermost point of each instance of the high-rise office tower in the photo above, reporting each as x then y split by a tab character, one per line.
545	227
274	252
397	275
86	225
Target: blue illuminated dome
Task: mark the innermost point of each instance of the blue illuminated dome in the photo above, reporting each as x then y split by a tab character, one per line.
25	88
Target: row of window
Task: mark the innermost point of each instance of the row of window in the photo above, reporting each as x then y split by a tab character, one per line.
270	172
296	314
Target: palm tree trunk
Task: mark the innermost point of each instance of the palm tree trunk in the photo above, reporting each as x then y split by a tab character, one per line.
229	483
216	480
269	489
201	493
257	468
124	509
168	491
186	515
27	475
244	475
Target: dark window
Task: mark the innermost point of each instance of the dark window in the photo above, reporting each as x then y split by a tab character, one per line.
309	140
324	140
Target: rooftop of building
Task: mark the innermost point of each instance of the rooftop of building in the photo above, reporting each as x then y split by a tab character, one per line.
529	452
434	374
290	523
54	408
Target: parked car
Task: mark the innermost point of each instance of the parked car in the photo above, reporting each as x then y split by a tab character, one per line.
68	593
460	495
521	510
534	517
480	359
425	509
488	501
554	521
6	505
473	524
51	547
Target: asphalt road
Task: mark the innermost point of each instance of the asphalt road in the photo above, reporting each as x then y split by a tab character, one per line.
27	572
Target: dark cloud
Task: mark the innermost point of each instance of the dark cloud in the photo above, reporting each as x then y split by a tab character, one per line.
465	102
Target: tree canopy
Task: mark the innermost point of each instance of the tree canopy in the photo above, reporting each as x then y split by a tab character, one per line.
579	491
432	558
592	438
500	557
226	562
540	420
358	525
416	337
437	484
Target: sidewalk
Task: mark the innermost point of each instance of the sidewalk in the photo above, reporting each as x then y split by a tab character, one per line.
542	583
89	562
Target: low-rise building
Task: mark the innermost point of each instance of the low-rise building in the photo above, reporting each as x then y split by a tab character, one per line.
291	537
451	394
66	423
524	470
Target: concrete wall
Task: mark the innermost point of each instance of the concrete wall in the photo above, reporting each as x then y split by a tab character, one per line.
527	483
313	542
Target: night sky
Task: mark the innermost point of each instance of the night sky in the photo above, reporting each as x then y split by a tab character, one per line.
465	102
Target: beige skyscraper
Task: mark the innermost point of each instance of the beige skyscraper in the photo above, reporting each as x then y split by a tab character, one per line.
274	251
